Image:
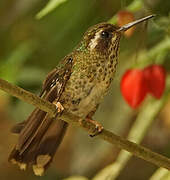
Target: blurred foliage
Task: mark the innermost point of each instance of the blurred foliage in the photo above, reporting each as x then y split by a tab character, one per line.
30	48
49	7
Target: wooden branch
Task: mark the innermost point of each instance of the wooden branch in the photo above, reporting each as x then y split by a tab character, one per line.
108	136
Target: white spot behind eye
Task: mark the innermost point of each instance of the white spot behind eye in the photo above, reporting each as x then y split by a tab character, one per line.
94	41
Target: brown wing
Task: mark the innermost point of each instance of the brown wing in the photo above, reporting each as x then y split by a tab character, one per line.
58	77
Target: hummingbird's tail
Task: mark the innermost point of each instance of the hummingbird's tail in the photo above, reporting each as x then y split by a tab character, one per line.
39	138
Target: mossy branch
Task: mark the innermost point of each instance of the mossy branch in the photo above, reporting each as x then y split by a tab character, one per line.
108	136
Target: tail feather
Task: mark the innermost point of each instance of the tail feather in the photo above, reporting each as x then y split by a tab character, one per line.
31	128
38	141
48	145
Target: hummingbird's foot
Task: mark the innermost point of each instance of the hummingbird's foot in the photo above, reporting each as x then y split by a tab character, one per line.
59	106
98	127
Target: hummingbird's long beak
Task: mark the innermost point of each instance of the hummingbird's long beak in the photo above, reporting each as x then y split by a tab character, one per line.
129	25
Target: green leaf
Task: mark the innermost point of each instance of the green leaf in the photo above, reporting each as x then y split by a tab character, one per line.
49	7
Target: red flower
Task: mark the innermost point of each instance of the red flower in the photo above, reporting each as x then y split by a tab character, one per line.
136	83
134	87
155	77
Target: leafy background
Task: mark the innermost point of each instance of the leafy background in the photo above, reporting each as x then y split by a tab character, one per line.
32	43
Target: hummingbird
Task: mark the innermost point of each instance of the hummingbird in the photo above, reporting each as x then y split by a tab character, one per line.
77	85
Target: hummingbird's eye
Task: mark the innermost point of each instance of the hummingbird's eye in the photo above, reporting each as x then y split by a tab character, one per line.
105	34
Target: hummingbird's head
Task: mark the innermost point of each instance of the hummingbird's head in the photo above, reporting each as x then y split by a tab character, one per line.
102	38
